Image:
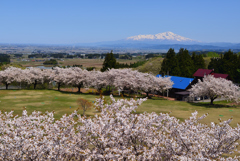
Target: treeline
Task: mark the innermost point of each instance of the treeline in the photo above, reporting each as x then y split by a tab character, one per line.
227	63
51	62
83	56
18	55
57	55
152	55
37	56
185	63
79	66
111	62
131	65
181	64
4	59
126	56
101	56
207	53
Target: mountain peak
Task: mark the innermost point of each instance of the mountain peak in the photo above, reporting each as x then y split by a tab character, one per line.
169	36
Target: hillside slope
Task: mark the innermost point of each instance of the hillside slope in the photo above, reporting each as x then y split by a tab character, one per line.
152	66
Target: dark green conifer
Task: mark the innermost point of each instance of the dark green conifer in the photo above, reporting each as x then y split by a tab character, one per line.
109	62
198	61
170	64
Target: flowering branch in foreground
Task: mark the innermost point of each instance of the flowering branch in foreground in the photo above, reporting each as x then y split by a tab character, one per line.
116	134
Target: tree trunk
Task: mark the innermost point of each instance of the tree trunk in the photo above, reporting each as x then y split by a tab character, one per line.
108	89
79	88
59	84
7	85
123	92
83	112
35	84
212	101
99	91
147	94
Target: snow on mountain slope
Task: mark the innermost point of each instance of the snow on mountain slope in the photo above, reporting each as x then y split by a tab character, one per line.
161	36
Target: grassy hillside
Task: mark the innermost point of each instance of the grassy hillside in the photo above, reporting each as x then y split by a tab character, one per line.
152	66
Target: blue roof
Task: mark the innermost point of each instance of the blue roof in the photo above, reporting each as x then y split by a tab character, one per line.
179	82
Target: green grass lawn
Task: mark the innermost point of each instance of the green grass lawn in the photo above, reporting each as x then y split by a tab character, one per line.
60	102
182	110
42	100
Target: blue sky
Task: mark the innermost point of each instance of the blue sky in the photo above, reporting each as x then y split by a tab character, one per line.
80	21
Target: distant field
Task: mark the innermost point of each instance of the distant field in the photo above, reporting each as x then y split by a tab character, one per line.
153	65
76	61
60	102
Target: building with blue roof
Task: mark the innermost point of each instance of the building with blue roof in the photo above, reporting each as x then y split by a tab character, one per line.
179	82
180	86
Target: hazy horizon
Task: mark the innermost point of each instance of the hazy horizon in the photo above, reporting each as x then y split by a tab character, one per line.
71	22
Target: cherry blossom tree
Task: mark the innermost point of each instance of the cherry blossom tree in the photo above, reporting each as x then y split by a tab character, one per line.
120	134
123	79
164	83
116	134
46	74
114	76
39	137
98	80
78	78
60	76
11	74
214	88
150	83
33	76
126	79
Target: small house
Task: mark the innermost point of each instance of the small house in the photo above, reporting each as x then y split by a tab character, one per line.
180	86
200	73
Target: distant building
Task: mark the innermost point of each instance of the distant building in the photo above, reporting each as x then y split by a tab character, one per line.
180	86
200	73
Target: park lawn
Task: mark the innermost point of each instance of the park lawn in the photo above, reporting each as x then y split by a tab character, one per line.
42	100
61	101
182	110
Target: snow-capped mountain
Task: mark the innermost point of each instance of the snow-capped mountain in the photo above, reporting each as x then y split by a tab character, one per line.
161	41
165	36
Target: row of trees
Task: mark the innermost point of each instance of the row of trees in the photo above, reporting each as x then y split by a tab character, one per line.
116	134
123	79
229	63
131	65
181	64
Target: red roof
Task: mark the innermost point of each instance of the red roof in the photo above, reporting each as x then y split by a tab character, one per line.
202	72
218	75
